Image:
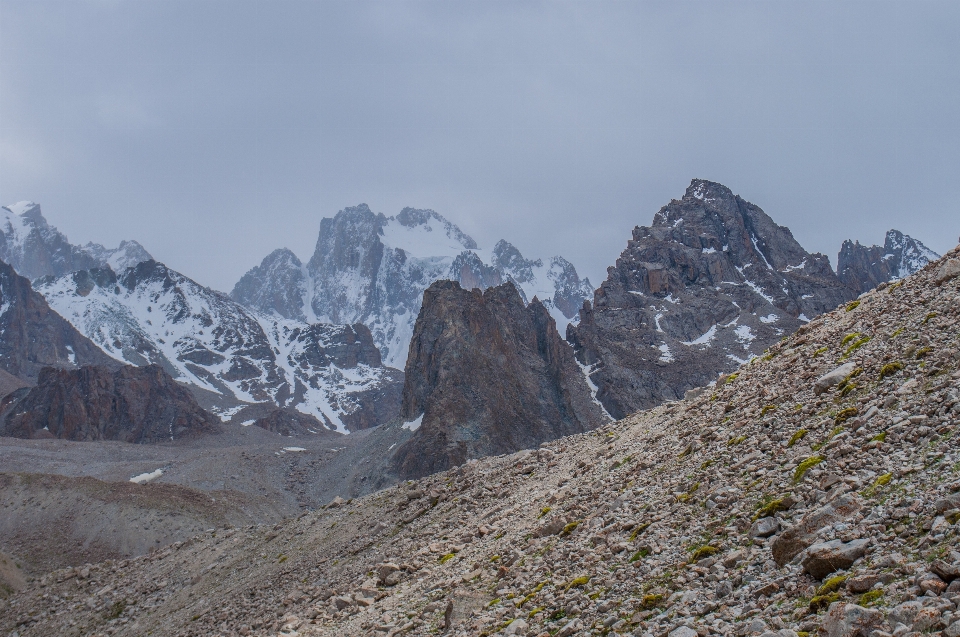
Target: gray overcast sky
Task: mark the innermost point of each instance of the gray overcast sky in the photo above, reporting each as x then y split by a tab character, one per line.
214	132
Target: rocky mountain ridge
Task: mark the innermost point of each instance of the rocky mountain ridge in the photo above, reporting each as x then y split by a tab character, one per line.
487	374
373	269
863	268
35	248
33	337
796	497
131	404
713	282
150	314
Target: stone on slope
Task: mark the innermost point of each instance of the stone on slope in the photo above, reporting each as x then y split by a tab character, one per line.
487	375
947	271
833	377
850	620
798	537
824	558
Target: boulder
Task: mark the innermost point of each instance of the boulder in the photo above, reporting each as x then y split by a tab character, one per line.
385	570
795	539
764	527
948	270
830	379
930	582
946	572
914	616
826	557
849	620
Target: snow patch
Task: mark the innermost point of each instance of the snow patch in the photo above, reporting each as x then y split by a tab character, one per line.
143	478
769	318
413	425
294	449
666	356
753	238
586	371
745	335
703	339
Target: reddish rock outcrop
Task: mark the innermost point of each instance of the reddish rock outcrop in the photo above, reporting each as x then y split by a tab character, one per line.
32	336
130	404
487	375
290	422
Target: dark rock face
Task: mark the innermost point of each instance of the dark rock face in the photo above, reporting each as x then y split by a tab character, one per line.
150	314
130	404
711	283
372	269
35	248
277	285
290	422
32	336
863	268
487	375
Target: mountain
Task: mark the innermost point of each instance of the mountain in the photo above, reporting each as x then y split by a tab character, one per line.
863	268
127	255
372	269
778	503
35	248
150	314
130	404
487	375
710	284
32	336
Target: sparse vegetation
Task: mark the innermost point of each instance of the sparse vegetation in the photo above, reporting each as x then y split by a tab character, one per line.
805	466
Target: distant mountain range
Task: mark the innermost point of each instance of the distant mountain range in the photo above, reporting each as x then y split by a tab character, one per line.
35	248
372	269
863	268
150	314
711	283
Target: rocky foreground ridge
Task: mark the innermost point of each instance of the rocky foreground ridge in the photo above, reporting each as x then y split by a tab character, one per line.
487	374
814	490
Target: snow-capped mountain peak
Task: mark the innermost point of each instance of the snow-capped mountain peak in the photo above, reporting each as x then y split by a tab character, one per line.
424	234
373	269
864	267
35	248
150	314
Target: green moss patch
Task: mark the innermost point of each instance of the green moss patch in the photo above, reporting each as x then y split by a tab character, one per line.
805	466
797	437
